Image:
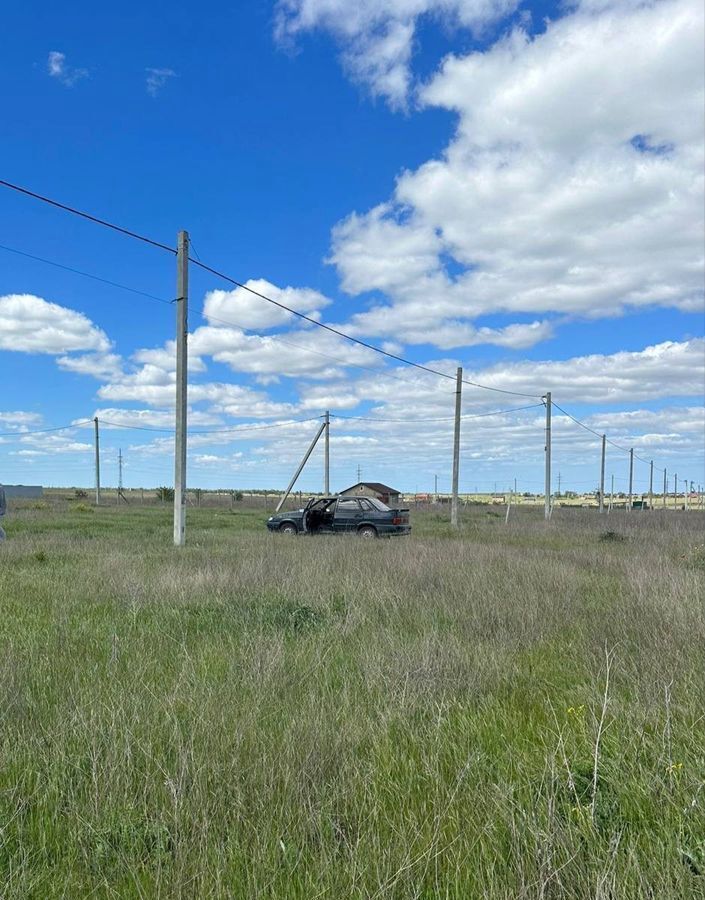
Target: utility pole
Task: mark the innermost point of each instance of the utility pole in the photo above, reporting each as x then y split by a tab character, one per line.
182	248
456	448
631	478
602	473
559	484
609	510
119	490
547	488
300	468
651	485
326	445
675	492
359	473
97	462
435	488
665	487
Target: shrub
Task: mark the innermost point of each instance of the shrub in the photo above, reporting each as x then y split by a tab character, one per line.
165	494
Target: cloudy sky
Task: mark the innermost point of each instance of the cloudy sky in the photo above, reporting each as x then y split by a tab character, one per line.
516	188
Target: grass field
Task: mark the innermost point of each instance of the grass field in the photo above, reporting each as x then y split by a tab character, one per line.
514	711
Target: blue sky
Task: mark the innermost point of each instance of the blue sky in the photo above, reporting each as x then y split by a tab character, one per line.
517	190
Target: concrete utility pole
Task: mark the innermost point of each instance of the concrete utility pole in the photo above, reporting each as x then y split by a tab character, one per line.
651	485
119	490
182	247
559	484
547	487
675	492
301	466
456	448
97	462
602	473
631	478
611	495
435	488
359	473
326	465
665	487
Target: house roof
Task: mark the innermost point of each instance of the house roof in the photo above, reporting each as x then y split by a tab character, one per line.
375	486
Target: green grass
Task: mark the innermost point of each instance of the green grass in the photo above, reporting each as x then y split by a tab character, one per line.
256	716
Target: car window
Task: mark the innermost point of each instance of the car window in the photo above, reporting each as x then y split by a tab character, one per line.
377	504
366	504
348	505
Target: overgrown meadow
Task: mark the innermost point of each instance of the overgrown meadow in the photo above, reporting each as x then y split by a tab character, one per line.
513	711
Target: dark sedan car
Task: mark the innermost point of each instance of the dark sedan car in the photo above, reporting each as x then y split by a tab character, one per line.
365	516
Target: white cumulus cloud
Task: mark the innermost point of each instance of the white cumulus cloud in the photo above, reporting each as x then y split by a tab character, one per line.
30	324
572	186
377	36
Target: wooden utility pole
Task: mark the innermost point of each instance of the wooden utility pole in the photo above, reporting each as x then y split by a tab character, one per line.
631	479
651	485
326	476
456	448
182	248
547	487
602	473
97	462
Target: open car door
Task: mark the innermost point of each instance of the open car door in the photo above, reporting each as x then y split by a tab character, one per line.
318	515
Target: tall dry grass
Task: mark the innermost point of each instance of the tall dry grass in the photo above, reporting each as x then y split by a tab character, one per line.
514	711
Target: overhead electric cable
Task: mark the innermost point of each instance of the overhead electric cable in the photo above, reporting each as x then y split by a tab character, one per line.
233	281
45	430
88	216
349	337
382	420
114	284
278	339
234	428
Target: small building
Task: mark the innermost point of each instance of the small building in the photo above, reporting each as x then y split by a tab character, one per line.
27	491
373	489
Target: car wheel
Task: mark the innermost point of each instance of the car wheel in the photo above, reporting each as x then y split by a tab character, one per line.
367	531
288	528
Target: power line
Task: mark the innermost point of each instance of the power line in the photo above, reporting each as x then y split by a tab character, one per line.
206	316
278	339
349	337
233	281
44	430
114	284
496	412
85	215
235	428
611	442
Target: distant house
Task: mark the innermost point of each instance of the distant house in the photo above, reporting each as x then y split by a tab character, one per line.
33	491
373	489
